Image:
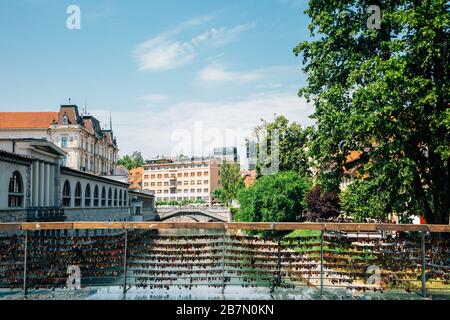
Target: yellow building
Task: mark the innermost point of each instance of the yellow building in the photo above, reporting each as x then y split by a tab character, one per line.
176	180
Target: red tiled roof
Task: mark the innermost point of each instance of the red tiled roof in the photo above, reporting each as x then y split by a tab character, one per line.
27	120
88	126
72	114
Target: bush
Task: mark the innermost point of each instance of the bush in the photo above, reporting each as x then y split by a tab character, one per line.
274	198
322	205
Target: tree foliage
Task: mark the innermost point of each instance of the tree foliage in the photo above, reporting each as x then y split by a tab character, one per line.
292	145
383	92
131	162
273	198
363	200
322	205
231	181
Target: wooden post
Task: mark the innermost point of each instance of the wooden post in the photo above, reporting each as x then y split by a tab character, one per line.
25	258
321	262
424	266
125	269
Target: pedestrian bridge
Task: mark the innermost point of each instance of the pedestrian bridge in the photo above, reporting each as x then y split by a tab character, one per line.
192	213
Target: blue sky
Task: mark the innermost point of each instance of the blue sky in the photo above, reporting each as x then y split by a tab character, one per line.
176	76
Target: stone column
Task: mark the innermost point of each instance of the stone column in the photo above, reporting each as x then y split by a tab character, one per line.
47	185
35	185
52	188
41	184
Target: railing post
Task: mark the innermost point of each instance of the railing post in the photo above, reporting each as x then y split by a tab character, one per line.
25	262
125	269
321	262
223	262
279	265
424	266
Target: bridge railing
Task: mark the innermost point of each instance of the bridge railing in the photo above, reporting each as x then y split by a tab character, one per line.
152	256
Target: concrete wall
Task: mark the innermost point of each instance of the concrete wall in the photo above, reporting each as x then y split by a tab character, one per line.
24	134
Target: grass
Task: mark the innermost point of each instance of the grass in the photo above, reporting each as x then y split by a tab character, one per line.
303	233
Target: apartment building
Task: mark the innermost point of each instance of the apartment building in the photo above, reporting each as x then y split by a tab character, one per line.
88	147
176	180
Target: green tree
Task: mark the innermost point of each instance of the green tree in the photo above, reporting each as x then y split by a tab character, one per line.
364	200
273	198
131	162
384	92
231	181
292	145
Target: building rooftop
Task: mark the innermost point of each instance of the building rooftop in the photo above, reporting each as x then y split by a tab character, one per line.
16	156
27	120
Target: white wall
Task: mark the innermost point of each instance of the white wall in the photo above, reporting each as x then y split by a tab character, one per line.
6	171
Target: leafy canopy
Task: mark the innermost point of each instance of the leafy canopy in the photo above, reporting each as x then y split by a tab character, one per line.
384	92
273	198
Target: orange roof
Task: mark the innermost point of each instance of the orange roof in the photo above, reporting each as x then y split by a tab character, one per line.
135	178
27	120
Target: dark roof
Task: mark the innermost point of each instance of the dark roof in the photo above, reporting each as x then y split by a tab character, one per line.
15	156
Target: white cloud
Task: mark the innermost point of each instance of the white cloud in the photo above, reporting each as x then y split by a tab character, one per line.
153	98
197	127
163	52
217	73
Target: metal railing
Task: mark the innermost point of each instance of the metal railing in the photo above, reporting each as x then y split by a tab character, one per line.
145	255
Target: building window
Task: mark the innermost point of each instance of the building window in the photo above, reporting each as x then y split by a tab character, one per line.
120	198
15	191
78	195
115	197
124	198
109	197
66	194
96	196
103	197
63	142
87	196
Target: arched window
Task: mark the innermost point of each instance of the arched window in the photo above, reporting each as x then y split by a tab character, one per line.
87	196
103	197
66	194
120	198
78	195
109	197
15	191
125	198
115	197
96	196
